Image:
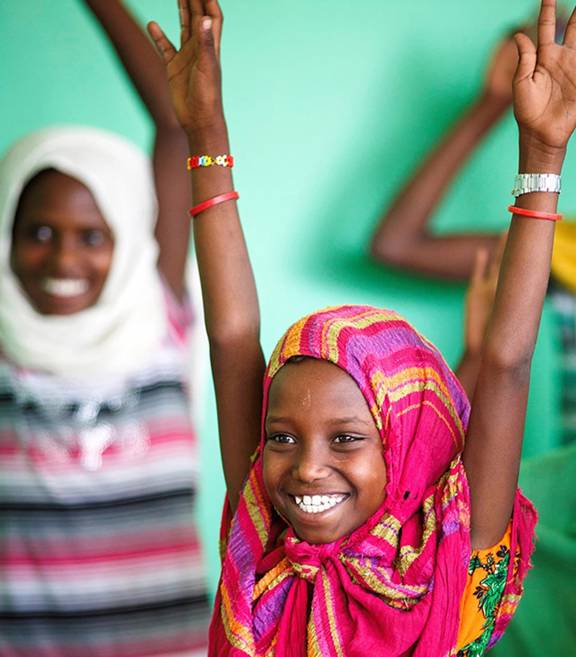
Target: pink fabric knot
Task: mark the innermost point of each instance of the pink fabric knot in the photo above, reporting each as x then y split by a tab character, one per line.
307	559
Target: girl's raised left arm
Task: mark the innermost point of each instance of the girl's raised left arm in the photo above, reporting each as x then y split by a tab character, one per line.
545	110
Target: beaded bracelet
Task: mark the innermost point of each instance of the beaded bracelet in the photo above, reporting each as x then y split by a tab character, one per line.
211	202
198	161
534	214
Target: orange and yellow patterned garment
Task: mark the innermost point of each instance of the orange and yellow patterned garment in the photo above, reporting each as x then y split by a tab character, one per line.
483	599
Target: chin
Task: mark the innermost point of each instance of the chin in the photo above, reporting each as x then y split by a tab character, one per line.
319	536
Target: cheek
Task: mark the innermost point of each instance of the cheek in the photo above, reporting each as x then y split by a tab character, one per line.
24	259
276	471
271	471
369	476
101	263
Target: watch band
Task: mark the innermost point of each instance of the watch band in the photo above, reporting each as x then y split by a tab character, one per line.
525	183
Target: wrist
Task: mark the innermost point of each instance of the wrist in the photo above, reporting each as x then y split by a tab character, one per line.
536	156
208	139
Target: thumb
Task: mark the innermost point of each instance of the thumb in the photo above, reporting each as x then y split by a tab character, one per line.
526	57
480	266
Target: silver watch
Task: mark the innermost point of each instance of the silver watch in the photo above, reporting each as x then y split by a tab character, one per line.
525	183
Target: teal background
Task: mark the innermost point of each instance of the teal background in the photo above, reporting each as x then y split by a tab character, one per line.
330	106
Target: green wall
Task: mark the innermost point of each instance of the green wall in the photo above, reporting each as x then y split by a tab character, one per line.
330	105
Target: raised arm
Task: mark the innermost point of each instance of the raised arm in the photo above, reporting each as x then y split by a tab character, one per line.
146	72
479	304
228	288
545	110
402	238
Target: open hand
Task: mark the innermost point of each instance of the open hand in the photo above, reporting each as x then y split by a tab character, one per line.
545	82
194	70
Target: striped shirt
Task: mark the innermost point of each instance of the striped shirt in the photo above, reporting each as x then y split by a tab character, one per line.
99	553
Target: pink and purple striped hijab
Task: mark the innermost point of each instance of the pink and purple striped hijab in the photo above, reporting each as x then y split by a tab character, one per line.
392	587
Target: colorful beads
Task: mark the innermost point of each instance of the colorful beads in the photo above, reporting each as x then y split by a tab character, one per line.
198	161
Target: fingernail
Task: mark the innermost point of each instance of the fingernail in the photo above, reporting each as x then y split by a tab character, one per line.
206	23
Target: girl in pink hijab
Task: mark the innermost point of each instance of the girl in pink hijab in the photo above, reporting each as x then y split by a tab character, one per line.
370	509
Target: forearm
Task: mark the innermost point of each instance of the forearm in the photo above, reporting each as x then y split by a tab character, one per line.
231	312
402	238
142	64
494	442
228	286
513	328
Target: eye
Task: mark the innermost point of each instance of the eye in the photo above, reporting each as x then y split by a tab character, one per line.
93	237
346	438
281	439
40	233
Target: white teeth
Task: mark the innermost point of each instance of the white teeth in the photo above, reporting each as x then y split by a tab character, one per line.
65	287
318	503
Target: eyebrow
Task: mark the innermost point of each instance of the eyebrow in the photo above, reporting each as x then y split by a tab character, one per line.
351	419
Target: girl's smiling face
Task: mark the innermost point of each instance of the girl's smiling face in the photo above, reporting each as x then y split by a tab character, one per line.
324	466
61	246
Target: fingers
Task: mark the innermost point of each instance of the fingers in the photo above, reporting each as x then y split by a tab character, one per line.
184	13
547	23
526	57
570	34
212	9
480	267
162	43
196	8
206	33
497	255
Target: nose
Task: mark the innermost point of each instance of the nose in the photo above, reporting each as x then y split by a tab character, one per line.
64	256
310	465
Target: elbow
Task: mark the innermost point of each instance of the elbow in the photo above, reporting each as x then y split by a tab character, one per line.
233	336
513	361
388	251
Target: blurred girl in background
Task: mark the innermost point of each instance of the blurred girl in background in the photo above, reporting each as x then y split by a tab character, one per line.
99	553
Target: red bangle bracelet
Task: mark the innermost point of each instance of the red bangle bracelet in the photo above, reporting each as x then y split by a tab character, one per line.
534	214
211	202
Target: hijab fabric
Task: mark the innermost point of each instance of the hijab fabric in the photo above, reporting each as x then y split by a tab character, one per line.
123	330
395	584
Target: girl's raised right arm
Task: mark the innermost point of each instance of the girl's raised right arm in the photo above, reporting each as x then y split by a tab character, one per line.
228	287
545	110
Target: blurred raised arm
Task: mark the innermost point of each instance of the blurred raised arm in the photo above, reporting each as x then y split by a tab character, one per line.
402	237
145	70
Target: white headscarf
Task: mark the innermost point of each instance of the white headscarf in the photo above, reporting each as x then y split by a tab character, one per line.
123	330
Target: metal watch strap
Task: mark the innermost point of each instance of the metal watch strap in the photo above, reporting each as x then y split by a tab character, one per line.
525	183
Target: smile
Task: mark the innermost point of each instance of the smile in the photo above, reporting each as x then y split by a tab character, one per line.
318	503
65	287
